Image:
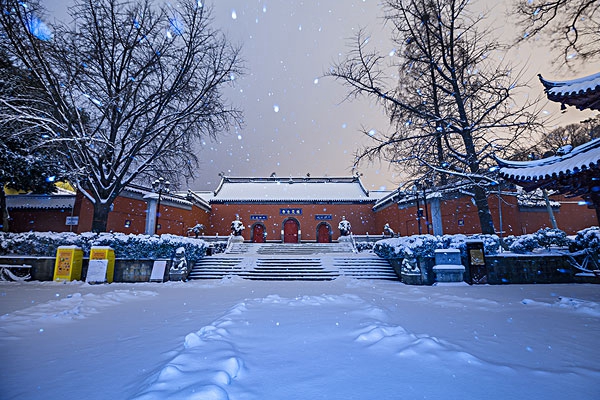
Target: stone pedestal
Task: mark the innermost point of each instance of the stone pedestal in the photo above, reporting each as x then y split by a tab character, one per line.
237	239
448	267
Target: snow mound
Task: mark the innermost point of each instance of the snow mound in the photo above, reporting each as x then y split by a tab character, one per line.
590	308
206	366
73	307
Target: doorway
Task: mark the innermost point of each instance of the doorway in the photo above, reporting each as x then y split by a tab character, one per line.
323	233
259	233
290	231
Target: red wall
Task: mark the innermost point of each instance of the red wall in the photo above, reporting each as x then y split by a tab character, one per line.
360	216
129	216
23	220
459	215
570	217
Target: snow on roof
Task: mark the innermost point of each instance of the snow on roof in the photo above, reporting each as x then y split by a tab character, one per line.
292	189
40	201
584	157
582	92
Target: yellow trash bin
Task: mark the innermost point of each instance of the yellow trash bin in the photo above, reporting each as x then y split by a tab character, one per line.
68	263
105	253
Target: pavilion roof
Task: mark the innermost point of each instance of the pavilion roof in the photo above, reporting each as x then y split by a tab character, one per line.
566	172
292	189
583	93
40	201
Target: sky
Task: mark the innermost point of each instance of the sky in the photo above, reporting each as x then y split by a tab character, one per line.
295	120
235	339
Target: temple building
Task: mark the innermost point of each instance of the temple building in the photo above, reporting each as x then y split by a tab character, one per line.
299	209
572	172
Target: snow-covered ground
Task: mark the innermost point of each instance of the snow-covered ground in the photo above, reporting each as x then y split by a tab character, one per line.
344	339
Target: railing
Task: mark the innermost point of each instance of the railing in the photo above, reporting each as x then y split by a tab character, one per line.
589	264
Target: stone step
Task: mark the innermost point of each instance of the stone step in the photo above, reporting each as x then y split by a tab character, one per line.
286	262
289	248
215	267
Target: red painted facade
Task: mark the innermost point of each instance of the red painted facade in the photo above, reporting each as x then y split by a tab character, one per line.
128	215
459	215
308	216
309	222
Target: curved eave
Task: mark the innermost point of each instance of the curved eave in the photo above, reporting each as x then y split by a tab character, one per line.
582	93
521	177
289	201
581	159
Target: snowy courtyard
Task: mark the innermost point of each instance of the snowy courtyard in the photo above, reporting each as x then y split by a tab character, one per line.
343	339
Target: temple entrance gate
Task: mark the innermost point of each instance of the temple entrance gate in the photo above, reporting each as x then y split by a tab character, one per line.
291	229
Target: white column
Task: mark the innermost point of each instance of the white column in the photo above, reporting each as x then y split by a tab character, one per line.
436	216
151	213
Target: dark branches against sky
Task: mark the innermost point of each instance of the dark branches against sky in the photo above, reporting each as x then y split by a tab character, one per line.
132	86
451	99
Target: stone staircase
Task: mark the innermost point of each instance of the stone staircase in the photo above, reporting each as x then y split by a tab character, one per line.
216	267
369	266
289	262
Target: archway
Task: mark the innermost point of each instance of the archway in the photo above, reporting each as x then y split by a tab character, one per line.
323	233
259	233
291	229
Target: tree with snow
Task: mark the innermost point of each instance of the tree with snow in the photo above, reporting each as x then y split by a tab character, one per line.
128	88
27	163
450	100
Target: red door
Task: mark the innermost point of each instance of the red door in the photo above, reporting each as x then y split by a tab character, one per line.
323	235
290	231
258	233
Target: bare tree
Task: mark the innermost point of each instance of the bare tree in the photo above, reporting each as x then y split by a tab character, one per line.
452	102
129	86
27	163
570	26
569	135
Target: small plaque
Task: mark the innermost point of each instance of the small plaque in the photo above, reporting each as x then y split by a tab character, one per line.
158	271
96	272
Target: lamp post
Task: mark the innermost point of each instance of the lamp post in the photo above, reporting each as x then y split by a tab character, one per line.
426	183
159	186
415	190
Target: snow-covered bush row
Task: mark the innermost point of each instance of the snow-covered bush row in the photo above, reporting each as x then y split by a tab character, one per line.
425	245
544	238
125	246
588	238
364	246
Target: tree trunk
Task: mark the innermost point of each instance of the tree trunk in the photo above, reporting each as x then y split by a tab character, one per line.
483	211
100	219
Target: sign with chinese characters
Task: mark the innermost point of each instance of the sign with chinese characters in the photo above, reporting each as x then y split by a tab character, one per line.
72	220
290	211
258	217
322	217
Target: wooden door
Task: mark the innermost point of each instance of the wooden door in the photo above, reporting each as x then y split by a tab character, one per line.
290	231
258	233
323	233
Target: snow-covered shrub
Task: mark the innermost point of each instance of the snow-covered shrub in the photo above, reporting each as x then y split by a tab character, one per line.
364	246
491	243
588	238
404	246
425	245
543	238
125	246
521	244
552	237
38	243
